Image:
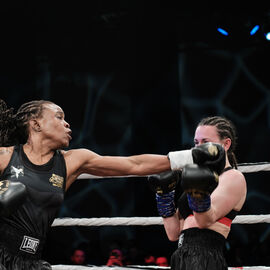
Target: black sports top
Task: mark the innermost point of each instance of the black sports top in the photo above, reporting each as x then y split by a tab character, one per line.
185	211
45	192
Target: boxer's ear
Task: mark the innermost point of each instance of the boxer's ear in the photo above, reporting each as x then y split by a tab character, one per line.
34	125
226	143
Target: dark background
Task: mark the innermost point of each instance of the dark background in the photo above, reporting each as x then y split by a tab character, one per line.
136	78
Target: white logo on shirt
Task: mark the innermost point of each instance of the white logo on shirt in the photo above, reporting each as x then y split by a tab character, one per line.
16	172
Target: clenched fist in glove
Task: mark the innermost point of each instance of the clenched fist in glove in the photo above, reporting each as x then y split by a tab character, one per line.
208	154
164	185
199	182
164	182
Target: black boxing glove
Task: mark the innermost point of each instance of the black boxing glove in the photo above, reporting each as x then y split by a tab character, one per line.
164	182
164	185
211	155
12	195
207	154
199	182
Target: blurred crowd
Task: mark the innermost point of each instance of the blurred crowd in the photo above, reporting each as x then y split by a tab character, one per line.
117	257
237	255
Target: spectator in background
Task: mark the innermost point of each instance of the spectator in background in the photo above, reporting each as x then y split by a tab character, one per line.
115	258
162	261
78	257
134	256
149	260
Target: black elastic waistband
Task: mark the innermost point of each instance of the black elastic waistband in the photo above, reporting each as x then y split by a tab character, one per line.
22	244
201	237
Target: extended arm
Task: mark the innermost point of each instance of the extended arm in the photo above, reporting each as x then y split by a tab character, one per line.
85	161
116	166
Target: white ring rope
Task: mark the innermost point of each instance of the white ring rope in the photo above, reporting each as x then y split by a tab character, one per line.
75	267
242	167
253	167
144	221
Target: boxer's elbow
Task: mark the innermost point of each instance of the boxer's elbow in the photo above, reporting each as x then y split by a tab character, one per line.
204	224
173	238
173	235
204	220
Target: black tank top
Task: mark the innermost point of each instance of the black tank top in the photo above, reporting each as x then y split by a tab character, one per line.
185	211
45	192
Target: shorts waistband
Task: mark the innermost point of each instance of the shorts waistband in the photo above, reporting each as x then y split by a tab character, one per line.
201	237
19	243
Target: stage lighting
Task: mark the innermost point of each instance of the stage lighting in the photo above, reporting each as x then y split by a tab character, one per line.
222	31
254	30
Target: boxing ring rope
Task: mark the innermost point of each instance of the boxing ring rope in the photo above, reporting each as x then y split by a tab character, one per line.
149	221
73	267
144	221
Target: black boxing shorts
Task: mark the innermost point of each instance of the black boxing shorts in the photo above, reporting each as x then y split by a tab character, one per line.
19	251
200	249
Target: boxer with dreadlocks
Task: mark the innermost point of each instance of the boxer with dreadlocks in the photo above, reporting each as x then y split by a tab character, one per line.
35	172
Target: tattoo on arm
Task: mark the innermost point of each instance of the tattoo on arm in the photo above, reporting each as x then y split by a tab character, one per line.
5	154
5	151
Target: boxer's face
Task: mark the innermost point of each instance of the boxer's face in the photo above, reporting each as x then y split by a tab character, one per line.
53	126
204	134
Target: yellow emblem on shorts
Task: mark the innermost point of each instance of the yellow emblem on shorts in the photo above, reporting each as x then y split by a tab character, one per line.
213	150
56	180
4	186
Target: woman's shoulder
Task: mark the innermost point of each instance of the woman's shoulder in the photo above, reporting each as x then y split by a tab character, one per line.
77	151
236	176
238	173
6	151
80	155
5	156
233	172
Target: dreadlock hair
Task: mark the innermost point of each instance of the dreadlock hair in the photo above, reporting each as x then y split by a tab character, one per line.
225	129
14	126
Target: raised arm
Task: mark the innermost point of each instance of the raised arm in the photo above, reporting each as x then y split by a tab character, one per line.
229	194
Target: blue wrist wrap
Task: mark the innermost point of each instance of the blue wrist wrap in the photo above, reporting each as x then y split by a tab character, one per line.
165	204
199	205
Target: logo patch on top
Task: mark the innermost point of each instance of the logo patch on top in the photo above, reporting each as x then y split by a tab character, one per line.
16	172
213	150
56	180
29	244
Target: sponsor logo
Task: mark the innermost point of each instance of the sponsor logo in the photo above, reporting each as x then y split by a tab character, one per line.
213	150
56	180
29	244
16	172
